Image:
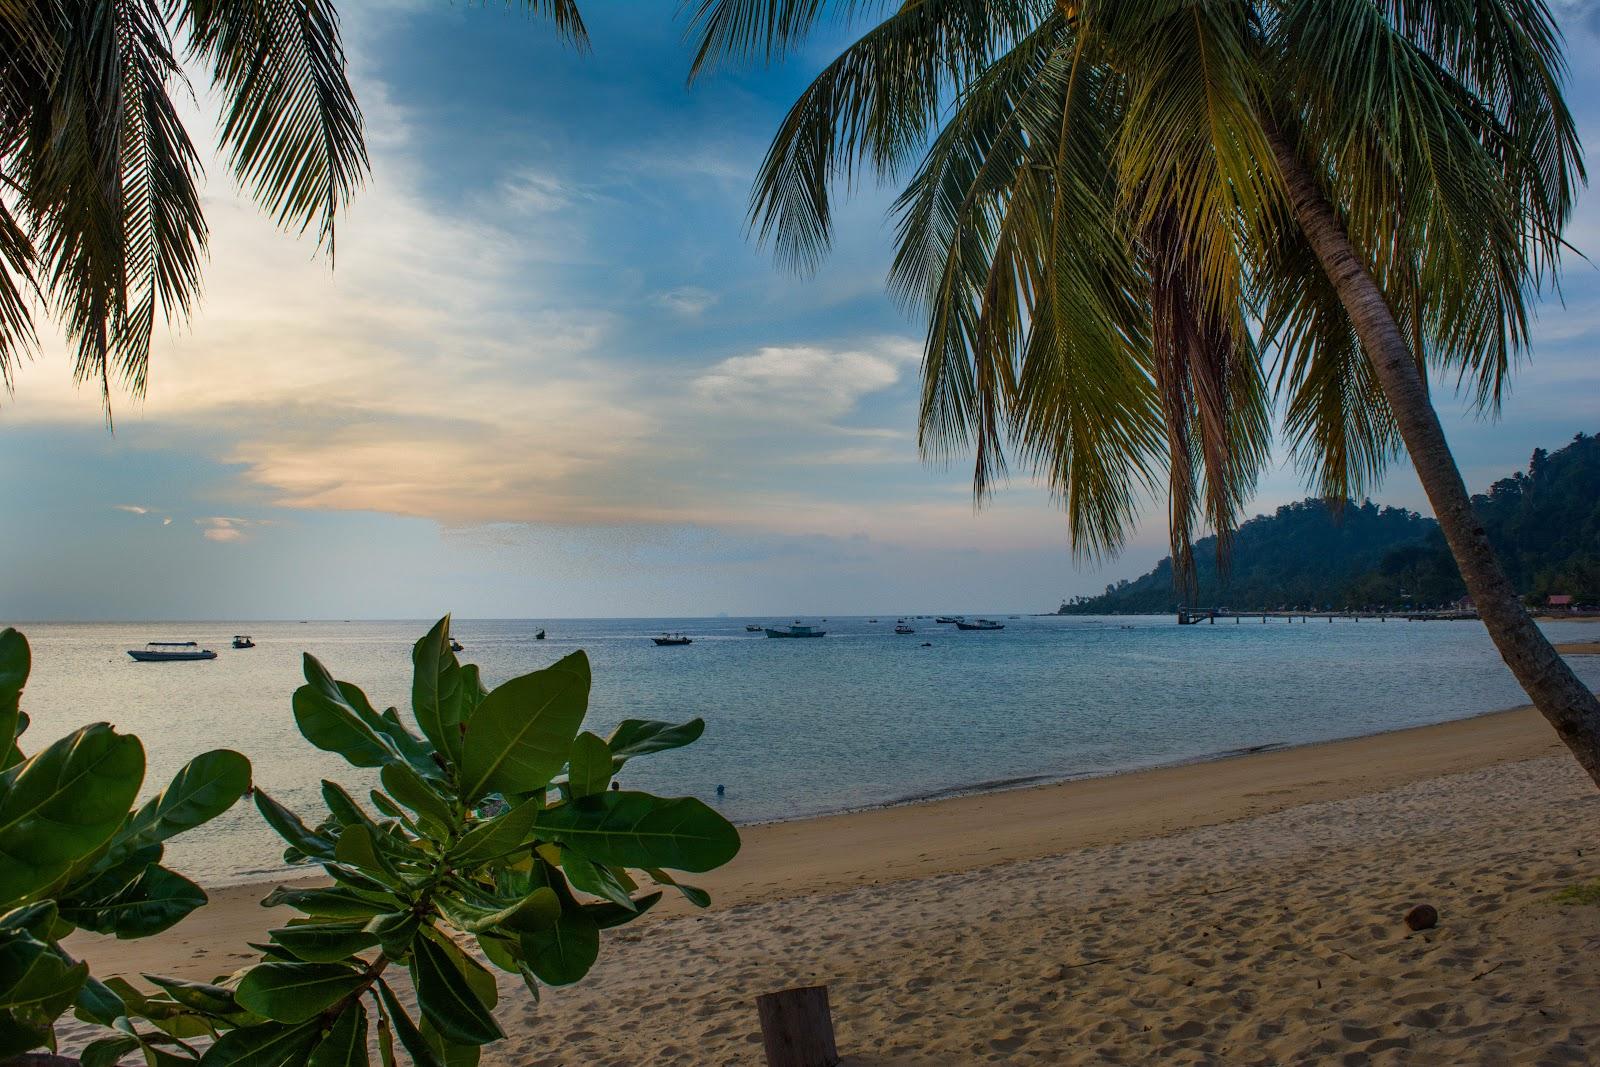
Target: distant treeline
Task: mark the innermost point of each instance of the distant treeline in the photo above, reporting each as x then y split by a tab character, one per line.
1544	522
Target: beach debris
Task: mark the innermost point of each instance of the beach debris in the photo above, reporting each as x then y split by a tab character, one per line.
797	1027
1422	917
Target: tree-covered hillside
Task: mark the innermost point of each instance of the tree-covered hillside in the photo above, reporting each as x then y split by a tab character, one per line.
1545	523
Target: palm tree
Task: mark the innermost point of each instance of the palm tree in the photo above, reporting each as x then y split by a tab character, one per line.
100	217
1137	229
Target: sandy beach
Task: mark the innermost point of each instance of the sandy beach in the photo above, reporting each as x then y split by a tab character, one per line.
1241	910
1579	648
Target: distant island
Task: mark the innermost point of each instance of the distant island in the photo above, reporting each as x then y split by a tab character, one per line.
1544	522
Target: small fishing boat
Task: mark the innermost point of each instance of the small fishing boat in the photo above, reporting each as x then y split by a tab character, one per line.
797	630
170	652
457	646
981	624
949	620
243	641
673	639
901	628
753	627
539	636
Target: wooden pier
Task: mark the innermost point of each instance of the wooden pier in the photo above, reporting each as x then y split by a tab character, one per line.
1194	616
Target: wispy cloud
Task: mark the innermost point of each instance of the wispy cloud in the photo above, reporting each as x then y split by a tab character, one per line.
132	509
225	529
690	301
803	383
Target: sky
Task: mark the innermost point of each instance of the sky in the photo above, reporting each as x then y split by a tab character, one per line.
550	375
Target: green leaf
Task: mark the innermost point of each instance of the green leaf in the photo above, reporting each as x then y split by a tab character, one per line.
563	953
589	769
450	1053
96	1002
639	737
410	1037
107	1050
597	881
208	785
331	903
411	789
695	895
267	1045
346	1043
395	931
447	999
608	915
496	837
63	803
522	732
291	829
328	720
535	911
293	992
203	997
357	847
627	829
158	899
435	690
15	661
324	942
35	980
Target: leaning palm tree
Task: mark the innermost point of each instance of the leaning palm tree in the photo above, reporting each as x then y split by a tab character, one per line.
100	216
1136	230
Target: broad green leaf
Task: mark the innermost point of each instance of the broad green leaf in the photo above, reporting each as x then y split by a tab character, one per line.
158	899
200	996
640	737
695	895
627	829
291	829
395	931
450	1054
447	999
328	721
208	785
471	692
522	733
332	903
96	1002
34	978
563	953
411	1038
533	912
385	1041
267	1045
496	837
357	847
107	1051
504	952
294	992
436	689
39	919
60	805
477	975
17	1037
346	1043
598	881
411	789
15	661
608	915
324	942
589	769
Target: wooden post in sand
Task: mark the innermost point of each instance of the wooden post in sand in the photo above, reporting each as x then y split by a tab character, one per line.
797	1027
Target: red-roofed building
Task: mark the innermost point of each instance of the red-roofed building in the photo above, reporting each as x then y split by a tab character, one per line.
1559	600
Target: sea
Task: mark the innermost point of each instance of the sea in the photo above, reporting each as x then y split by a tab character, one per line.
860	718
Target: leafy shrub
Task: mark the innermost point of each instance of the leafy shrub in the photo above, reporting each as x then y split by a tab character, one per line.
495	827
75	856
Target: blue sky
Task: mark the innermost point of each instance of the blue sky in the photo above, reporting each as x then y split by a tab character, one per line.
549	375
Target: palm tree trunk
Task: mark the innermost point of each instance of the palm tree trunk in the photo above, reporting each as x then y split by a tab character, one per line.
1564	700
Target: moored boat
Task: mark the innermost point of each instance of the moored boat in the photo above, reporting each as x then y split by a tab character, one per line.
457	646
170	652
753	627
539	636
797	630
243	641
901	628
673	639
948	619
981	624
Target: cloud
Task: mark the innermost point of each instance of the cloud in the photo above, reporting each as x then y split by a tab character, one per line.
690	301
803	383
166	522
226	529
132	509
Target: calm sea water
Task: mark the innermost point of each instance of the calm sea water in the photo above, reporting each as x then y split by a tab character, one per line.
795	728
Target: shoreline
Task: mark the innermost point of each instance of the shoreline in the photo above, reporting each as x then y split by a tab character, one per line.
913	841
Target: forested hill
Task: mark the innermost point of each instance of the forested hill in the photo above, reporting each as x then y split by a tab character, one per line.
1545	522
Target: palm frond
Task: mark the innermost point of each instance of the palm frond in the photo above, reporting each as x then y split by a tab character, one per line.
766	30
17	338
291	124
875	105
563	15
